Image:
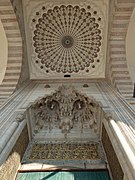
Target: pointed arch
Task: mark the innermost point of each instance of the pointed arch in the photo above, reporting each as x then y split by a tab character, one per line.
14	41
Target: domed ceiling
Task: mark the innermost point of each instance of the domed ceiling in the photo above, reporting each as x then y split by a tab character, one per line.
66	40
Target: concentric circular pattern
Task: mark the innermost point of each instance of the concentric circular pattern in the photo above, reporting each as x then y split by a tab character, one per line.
67	39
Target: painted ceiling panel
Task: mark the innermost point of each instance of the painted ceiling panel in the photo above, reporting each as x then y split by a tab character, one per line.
66	39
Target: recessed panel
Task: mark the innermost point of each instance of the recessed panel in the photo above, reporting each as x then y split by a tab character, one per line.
66	38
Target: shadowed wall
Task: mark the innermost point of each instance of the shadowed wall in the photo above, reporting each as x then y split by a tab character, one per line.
9	168
114	164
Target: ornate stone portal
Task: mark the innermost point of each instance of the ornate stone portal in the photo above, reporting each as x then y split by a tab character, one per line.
65	108
65	130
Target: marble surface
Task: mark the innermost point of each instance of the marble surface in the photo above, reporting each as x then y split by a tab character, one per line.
114	164
9	168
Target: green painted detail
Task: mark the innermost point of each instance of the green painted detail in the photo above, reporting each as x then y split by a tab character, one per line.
64	175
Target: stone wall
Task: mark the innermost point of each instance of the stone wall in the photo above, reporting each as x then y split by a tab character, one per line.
9	168
114	164
117	70
14	55
18	9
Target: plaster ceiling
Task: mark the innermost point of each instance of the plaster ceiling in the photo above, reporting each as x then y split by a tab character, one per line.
66	39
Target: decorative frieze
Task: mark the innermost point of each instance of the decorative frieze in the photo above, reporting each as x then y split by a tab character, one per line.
65	151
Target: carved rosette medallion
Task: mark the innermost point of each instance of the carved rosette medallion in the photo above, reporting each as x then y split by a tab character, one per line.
67	38
65	108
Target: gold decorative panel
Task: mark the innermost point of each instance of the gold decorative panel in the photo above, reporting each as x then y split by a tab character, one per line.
65	151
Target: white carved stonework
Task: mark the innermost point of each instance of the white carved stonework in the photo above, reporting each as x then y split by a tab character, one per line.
65	109
66	38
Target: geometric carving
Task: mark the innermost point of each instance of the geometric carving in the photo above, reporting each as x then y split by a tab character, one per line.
67	39
65	108
64	151
107	115
20	117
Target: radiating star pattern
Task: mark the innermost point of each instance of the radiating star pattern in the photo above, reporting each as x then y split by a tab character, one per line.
67	39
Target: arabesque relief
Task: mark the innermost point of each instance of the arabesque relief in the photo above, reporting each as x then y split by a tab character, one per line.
65	108
64	151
